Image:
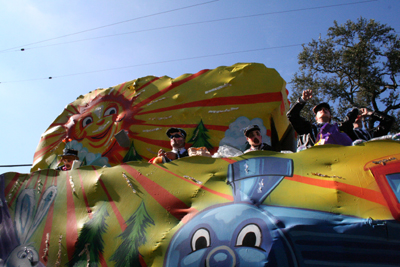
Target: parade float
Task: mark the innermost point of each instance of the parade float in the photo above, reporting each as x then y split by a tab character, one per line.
328	205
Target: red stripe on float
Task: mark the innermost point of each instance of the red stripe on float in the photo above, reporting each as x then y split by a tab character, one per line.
360	192
46	149
44	184
160	143
142	262
228	197
221	128
120	88
47	229
37	179
88	209
71	232
141	87
171	203
146	84
118	215
101	256
30	179
102	260
11	184
223	101
75	109
169	88
230	161
120	219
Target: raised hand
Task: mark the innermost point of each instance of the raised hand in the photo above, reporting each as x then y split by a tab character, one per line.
307	94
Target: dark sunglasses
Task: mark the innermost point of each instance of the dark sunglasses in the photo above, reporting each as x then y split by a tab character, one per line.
176	136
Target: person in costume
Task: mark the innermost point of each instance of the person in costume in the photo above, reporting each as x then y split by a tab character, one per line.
385	123
178	141
253	136
308	132
67	158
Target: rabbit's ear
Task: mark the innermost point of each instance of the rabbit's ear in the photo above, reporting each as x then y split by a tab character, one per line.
44	205
24	210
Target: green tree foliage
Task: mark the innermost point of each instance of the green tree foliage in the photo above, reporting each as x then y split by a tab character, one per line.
91	234
133	237
357	65
84	162
200	137
132	154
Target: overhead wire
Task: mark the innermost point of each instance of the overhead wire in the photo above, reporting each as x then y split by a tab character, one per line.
196	57
183	59
112	24
157	62
26	47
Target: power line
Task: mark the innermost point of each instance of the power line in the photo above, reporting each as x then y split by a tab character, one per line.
181	59
158	62
19	165
177	25
112	24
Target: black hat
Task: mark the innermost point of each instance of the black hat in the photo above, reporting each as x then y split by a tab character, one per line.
320	106
250	128
69	152
174	130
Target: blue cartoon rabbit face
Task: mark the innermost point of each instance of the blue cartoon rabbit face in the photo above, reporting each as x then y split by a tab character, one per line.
23	256
27	219
229	235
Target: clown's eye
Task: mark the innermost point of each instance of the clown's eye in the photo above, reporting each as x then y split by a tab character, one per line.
86	121
110	111
200	239
249	236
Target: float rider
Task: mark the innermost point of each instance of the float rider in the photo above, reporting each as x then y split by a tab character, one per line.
385	123
177	137
253	136
308	131
67	158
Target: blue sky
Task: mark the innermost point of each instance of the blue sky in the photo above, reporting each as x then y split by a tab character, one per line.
151	37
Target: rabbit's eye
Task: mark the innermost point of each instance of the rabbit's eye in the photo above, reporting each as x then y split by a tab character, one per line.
22	254
26	253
